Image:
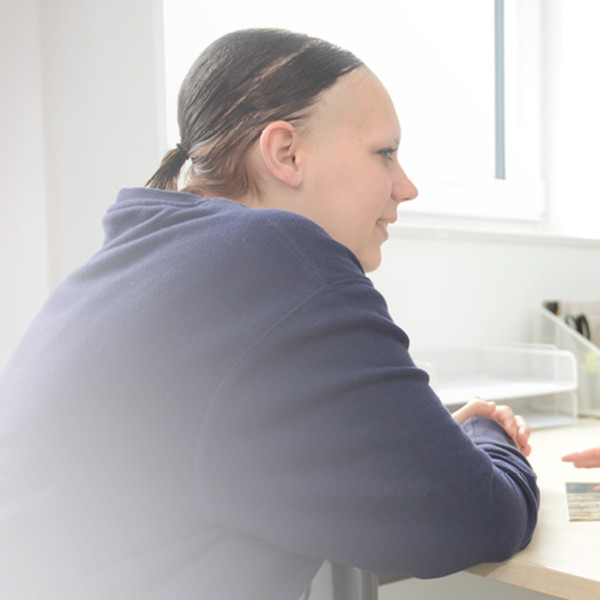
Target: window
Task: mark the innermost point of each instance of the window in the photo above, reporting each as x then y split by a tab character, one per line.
463	76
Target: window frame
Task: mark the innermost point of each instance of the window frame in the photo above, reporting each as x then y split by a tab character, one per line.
520	193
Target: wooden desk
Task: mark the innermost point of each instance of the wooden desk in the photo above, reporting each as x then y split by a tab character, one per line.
563	558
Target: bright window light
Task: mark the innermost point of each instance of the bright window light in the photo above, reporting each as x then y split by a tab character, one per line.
439	61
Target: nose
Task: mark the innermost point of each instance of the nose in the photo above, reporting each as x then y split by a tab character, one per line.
403	188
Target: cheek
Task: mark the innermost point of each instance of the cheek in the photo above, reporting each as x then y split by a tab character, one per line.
350	195
372	177
364	195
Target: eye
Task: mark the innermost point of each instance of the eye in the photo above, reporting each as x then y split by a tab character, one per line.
388	153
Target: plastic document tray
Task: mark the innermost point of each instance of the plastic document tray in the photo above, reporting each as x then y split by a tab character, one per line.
549	328
539	381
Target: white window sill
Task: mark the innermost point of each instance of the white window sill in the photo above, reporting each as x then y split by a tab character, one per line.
458	229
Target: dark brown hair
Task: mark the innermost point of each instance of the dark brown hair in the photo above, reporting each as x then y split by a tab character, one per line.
239	84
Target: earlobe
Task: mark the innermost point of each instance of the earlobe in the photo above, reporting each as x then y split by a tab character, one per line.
278	147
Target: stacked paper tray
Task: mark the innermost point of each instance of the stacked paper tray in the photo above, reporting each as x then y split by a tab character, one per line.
540	380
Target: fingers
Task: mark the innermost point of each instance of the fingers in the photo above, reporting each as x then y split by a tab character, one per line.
506	417
584	464
515	426
474	408
586	459
571	457
523	433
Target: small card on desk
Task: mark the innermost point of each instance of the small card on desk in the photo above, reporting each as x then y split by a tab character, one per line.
583	501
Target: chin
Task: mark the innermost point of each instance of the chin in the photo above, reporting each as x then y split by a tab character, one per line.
371	263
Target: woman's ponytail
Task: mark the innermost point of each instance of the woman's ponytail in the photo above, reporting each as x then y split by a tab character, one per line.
167	175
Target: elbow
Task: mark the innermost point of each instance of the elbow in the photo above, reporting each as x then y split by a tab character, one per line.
496	537
489	532
491	546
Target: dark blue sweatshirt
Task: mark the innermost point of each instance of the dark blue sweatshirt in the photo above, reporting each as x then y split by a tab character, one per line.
217	402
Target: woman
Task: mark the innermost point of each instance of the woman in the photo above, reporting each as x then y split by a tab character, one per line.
219	400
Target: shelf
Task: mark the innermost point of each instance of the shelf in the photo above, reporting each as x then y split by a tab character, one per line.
461	390
540	379
537	420
549	328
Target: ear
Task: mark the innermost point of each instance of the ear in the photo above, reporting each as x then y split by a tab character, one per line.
278	145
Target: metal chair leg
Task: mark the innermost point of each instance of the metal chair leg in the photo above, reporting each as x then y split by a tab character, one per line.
350	583
338	582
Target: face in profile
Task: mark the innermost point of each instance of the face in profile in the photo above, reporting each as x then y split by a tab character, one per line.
353	182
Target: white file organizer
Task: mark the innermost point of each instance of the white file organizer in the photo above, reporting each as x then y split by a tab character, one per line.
552	329
539	381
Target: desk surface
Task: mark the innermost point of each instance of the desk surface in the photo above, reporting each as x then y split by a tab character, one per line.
563	558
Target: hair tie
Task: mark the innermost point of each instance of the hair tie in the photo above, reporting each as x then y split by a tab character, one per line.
182	151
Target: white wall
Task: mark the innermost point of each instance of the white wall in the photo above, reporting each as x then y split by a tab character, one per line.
23	270
460	289
81	116
103	117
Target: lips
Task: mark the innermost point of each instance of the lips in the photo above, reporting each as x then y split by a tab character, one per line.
382	225
388	220
385	222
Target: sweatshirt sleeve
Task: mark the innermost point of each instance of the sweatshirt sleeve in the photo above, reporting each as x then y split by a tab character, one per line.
326	440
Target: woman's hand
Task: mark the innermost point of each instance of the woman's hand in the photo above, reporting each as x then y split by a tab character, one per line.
515	426
586	459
